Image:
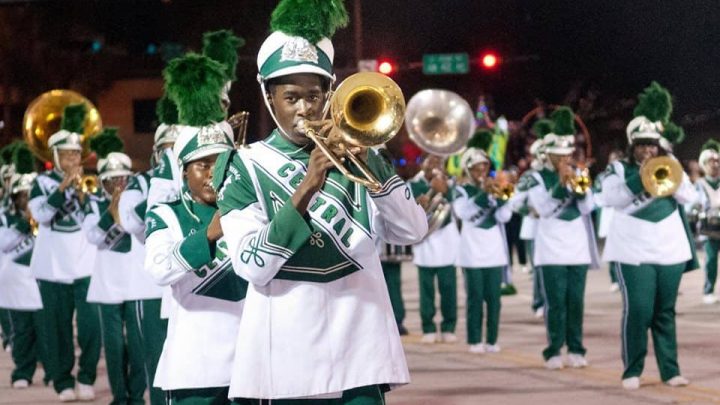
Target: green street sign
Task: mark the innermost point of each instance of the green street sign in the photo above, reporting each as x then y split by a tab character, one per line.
446	64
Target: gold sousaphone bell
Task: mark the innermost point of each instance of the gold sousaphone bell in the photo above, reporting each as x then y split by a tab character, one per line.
661	176
367	109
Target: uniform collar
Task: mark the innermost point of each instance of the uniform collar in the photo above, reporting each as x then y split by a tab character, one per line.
279	142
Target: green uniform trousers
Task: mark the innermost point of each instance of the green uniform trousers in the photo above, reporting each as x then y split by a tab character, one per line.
5	328
153	331
60	302
27	350
447	286
198	396
537	298
123	353
391	271
649	296
711	264
482	285
563	290
368	395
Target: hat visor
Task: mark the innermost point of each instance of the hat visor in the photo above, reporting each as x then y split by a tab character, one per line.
205	152
114	173
297	69
68	147
560	150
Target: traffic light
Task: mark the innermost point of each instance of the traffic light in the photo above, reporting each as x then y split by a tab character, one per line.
386	67
489	60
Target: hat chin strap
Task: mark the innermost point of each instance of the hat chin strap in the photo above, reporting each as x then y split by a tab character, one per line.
56	160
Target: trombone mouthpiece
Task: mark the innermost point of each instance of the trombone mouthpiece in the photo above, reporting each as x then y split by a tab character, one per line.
301	126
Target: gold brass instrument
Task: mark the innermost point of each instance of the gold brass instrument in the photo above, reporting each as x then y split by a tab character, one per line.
661	176
500	190
88	184
440	122
581	182
44	115
239	121
367	109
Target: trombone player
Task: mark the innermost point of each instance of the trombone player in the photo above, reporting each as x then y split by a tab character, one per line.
649	237
303	234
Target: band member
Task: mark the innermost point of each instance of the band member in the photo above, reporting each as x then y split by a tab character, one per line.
63	268
166	181
7	169
118	279
483	252
186	249
564	244
709	198
304	236
648	272
436	255
19	293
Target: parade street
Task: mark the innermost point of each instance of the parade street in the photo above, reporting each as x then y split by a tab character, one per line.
447	374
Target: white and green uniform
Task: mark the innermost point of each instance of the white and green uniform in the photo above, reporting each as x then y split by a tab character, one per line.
520	203
709	197
20	296
435	256
208	296
132	210
118	280
63	271
564	249
483	255
317	320
166	182
650	241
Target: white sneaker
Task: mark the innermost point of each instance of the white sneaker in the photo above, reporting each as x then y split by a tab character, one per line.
540	312
554	363
577	360
67	395
20	384
477	348
677	381
709	299
631	383
8	349
614	287
448	337
429	338
492	348
85	392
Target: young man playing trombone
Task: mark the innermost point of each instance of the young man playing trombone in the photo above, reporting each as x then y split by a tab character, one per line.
317	323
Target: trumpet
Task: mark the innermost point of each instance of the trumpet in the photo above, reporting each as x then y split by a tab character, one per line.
367	109
580	182
661	176
500	187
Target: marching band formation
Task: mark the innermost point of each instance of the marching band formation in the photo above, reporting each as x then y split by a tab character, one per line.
233	273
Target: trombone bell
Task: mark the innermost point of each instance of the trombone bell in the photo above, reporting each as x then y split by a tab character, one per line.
661	176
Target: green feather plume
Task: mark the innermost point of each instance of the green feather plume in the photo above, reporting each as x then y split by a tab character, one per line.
106	142
194	83
6	153
23	159
482	139
222	46
310	19
563	120
542	127
674	133
166	111
73	118
654	103
711	144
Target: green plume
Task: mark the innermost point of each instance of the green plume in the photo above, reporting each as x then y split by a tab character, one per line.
194	83
222	46
23	159
542	127
6	153
563	120
73	118
166	111
654	103
711	144
482	139
310	19
106	142
673	133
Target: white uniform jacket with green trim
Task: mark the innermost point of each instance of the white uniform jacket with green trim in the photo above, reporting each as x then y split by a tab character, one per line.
132	209
63	253
207	296
18	288
565	234
520	203
317	318
644	229
119	273
482	238
440	248
166	182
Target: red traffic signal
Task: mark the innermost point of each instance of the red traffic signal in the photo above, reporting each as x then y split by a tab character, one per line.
489	60
386	67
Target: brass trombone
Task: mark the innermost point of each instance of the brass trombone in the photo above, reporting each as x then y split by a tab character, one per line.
367	109
661	176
